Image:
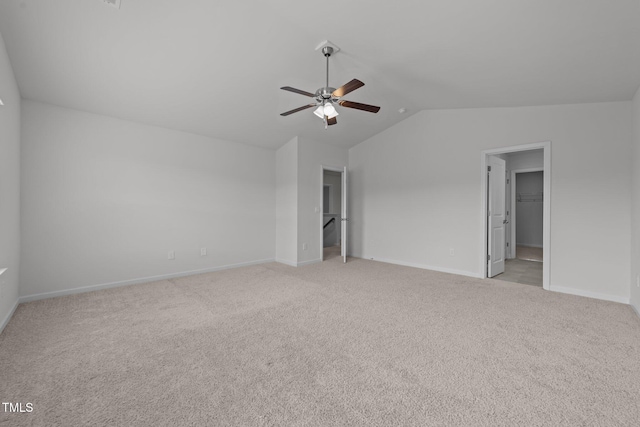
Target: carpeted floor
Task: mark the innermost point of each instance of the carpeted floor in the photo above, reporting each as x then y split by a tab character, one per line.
330	344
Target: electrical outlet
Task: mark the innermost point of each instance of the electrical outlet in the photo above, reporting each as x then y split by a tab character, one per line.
171	255
304	246
203	251
452	252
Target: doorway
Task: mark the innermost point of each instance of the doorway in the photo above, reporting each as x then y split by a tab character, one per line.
512	251
331	218
524	244
333	229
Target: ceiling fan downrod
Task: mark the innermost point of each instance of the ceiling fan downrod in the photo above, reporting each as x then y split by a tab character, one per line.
327	51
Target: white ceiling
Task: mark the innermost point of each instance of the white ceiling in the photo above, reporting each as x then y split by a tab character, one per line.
215	67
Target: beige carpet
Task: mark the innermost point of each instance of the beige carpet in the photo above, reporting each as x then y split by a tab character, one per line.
329	344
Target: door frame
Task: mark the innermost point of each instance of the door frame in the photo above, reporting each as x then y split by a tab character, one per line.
513	217
321	216
546	200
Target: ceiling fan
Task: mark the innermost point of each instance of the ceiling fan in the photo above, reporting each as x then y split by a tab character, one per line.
326	98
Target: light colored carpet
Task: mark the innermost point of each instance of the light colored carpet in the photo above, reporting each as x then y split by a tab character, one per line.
330	344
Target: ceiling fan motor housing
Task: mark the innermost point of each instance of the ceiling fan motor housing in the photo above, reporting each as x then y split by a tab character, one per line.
324	93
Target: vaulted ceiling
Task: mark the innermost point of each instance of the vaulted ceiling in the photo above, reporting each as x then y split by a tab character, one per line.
215	67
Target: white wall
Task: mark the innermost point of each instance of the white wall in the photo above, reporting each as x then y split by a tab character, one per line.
287	203
312	156
104	200
9	188
525	160
416	190
635	206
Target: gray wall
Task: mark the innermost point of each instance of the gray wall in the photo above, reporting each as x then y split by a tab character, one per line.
300	163
525	160
287	203
425	174
635	206
529	208
312	156
104	200
9	187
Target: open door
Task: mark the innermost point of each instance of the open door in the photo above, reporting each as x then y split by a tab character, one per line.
496	216
345	218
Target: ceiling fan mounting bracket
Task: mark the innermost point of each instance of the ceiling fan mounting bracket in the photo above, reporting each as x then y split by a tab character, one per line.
327	43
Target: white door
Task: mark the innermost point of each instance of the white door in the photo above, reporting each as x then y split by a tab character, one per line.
496	216
345	218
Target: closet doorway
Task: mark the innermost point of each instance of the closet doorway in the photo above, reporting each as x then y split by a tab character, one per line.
525	237
516	225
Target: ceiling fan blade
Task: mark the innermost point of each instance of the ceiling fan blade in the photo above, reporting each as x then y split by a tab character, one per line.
286	113
359	106
294	90
349	87
331	121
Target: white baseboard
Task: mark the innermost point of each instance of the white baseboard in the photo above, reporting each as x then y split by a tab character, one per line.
312	261
589	294
6	319
298	264
425	267
636	309
90	288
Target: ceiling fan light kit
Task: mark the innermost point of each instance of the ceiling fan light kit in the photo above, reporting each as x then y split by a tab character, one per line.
326	98
326	110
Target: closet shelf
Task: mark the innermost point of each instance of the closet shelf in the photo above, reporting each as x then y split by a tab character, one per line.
529	197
